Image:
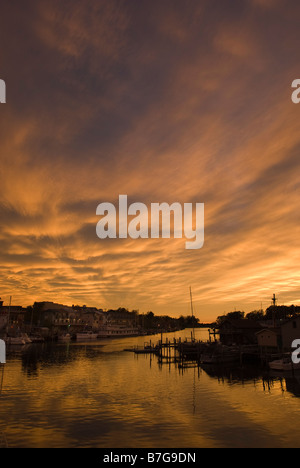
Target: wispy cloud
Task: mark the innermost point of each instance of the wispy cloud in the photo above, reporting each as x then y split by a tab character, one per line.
163	102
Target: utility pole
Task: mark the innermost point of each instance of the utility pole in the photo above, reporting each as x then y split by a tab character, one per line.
274	300
8	318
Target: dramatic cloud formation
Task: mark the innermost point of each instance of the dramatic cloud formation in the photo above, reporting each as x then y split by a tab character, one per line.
162	101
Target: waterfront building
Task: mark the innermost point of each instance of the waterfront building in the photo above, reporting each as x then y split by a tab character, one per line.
290	331
281	337
11	315
269	340
239	331
72	320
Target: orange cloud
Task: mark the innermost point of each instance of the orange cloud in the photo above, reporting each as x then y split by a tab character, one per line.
184	106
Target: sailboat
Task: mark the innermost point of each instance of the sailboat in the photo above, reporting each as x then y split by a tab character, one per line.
192	310
190	349
13	340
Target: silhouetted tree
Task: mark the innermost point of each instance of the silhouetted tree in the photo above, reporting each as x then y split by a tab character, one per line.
255	315
231	315
282	312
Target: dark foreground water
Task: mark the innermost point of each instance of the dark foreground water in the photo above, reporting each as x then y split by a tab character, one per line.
97	395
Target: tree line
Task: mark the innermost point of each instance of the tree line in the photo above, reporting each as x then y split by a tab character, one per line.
271	313
148	321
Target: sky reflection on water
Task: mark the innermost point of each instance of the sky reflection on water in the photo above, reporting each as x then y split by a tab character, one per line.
97	395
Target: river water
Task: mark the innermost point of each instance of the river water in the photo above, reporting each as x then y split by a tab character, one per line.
96	395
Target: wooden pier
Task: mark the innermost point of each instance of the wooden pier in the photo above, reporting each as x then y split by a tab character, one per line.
192	352
181	353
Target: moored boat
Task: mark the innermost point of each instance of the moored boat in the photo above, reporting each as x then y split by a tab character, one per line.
86	335
284	364
26	338
64	337
111	331
220	355
14	340
37	338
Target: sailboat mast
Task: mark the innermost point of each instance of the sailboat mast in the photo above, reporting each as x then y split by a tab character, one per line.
192	309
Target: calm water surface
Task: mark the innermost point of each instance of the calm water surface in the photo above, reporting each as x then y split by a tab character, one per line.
97	395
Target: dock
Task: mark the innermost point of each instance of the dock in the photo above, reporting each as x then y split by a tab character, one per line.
185	353
148	348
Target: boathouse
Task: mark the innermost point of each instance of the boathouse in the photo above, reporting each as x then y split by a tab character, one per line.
269	340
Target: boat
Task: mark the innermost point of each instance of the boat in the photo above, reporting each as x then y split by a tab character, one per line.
14	340
64	337
37	338
18	339
118	331
220	355
147	349
218	358
21	339
284	364
26	338
86	335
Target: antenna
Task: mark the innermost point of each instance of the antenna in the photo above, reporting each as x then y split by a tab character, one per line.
274	300
8	318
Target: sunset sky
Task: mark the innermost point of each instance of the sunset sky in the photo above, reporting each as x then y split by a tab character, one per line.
164	101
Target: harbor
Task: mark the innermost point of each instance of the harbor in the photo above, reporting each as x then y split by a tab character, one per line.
95	379
264	339
187	353
95	394
254	340
150	293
